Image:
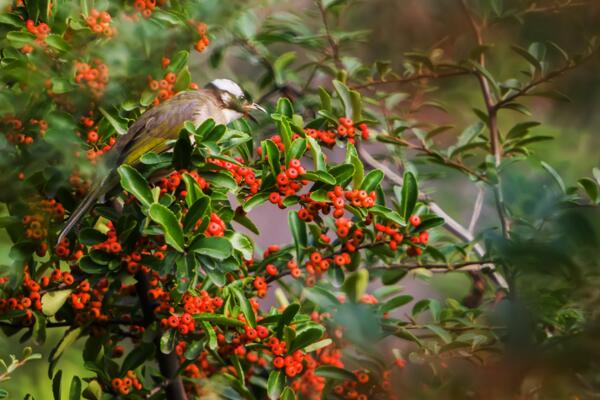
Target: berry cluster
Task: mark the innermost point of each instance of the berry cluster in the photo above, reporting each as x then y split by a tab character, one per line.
288	182
40	31
172	182
124	385
241	173
111	244
344	130
93	75
99	23
145	7
204	41
164	88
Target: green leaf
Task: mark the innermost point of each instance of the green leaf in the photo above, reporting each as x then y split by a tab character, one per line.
57	42
356	101
137	357
184	78
75	389
67	340
331	372
221	180
396	302
245	306
133	182
213	343
280	66
56	381
298	148
178	61
242	244
88	265
167	341
441	332
342	173
356	284
317	153
182	152
215	247
288	394
535	63
372	180
193	350
319	176
273	156
194	192
118	126
286	317
204	129
344	94
359	169
255	200
19	39
275	384
325	100
306	337
318	345
590	187
284	107
170	224
218	320
554	175
52	301
298	228
93	391
470	133
410	194
90	236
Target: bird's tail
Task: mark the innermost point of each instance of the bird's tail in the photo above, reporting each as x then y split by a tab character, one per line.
86	204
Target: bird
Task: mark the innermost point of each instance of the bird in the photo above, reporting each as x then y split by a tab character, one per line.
156	130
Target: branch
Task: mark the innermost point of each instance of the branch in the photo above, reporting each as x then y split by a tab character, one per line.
401	81
536	82
332	43
476	265
534	8
451	225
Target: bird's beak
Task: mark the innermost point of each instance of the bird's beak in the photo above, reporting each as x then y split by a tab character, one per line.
253	106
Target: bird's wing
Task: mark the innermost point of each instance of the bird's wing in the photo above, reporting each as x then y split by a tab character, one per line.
156	128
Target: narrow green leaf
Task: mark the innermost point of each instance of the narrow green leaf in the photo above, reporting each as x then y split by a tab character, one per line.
372	180
245	306
215	247
75	389
331	372
356	284
170	224
53	301
133	182
554	175
410	194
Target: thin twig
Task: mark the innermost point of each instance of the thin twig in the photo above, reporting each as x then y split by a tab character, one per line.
413	78
477	209
332	43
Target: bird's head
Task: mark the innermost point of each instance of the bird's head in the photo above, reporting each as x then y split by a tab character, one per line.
235	102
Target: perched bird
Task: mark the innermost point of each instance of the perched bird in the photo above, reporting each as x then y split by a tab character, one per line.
157	129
